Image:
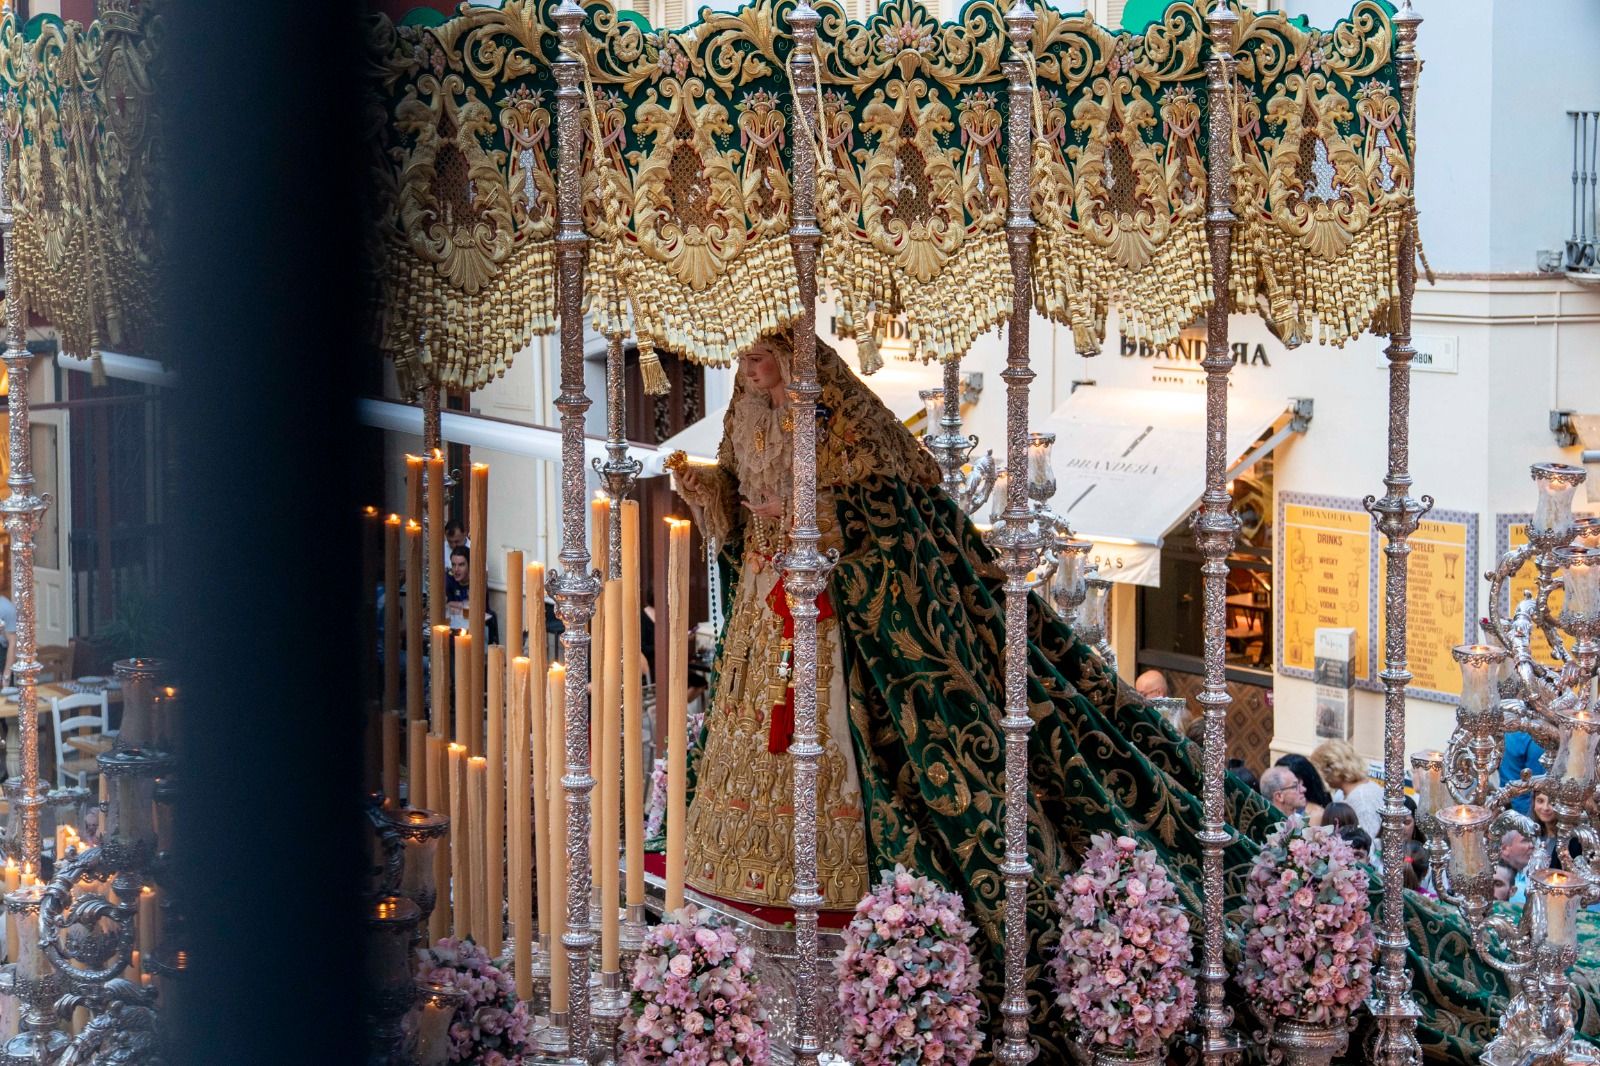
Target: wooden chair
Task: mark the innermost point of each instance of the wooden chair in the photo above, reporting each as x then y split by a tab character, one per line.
56	663
80	737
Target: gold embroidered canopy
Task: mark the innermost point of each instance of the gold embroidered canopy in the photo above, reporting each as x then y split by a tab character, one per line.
686	176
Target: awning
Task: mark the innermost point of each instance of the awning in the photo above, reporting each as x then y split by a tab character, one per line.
1130	465
897	385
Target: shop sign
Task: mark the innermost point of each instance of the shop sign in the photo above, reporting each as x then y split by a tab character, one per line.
1325	579
1441	601
1436	354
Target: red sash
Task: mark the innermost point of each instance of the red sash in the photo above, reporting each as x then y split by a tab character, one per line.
781	733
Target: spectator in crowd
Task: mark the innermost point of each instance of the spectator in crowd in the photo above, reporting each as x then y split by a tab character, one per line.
1360	842
1244	774
454	537
1522	752
1417	872
1516	850
1408	828
1339	816
1345	771
1283	790
1152	685
1504	880
1316	792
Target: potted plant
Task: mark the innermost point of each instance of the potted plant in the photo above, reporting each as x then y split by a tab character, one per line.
1121	972
908	984
1309	944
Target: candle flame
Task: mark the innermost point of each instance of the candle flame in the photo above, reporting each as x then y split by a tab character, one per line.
1556	879
393	520
415	458
453	747
558	670
480	467
369	510
438	455
413	526
441	628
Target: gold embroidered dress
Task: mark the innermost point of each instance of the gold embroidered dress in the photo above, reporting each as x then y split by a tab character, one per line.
741	821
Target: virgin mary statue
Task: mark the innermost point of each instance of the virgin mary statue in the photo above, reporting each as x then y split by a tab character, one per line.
911	691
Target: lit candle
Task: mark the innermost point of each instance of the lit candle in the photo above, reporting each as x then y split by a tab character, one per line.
632	705
1556	483
416	764
1427	773
460	842
1586	531
1041	478
1464	826
520	823
1480	672
600	547
135	966
1067	583
146	921
1559	894
13	873
494	829
555	747
477	594
439	664
391	758
533	593
511	633
391	612
31	964
932	409
1581	581
413	622
464	712
998	498
483	919
1092	613
1575	755
416	470
439	923
610	737
436	560
677	707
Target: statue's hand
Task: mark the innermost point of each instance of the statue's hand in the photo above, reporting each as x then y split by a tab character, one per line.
768	509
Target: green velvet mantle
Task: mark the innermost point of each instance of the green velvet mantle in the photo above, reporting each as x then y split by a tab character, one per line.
920	608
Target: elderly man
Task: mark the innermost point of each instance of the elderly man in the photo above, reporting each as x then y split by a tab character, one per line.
1283	790
1152	685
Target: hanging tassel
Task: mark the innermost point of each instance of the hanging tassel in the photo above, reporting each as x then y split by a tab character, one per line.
871	358
97	370
651	371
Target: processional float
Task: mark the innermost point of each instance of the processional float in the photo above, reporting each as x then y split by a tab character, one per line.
694	188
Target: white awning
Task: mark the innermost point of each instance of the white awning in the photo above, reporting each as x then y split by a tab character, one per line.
897	385
1130	465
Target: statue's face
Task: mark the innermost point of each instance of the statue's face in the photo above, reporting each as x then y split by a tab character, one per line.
760	368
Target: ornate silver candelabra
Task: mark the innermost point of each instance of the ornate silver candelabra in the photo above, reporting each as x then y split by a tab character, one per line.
1463	808
970	486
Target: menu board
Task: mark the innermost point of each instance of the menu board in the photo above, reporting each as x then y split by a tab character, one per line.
1440	601
1525	582
1324	578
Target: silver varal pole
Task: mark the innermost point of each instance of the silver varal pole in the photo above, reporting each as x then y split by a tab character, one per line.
1397	515
576	587
22	509
1215	526
1017	539
805	569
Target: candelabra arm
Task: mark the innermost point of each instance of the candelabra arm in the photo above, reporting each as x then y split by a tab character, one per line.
1509	565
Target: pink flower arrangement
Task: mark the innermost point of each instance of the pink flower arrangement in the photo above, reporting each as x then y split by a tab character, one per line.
697	1001
491	1028
1122	970
1308	945
655	817
907	979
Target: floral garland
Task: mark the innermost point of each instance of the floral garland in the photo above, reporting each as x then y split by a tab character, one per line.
1122	970
491	1028
907	979
655	815
696	997
1309	944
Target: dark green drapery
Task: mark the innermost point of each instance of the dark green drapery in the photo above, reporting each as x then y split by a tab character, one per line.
920	605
